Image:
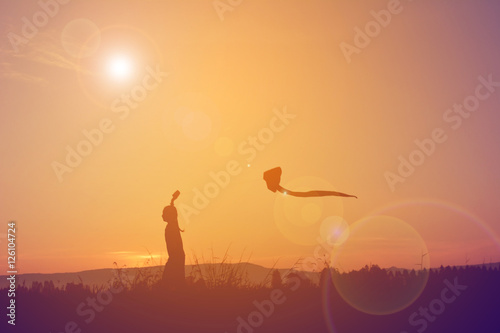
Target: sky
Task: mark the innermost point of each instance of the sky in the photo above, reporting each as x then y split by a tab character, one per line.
107	108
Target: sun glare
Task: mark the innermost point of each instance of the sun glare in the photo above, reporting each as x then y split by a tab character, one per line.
120	67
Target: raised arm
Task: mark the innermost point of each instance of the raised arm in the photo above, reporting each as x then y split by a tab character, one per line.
174	196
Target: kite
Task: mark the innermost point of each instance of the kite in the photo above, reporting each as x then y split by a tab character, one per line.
273	177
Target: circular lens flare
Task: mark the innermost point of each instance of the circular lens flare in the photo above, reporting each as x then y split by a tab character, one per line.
385	265
192	122
298	218
81	38
334	230
196	125
450	215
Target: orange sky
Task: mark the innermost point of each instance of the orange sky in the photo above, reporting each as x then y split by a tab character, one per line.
206	94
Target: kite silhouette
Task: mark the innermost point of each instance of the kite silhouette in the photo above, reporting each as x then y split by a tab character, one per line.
273	177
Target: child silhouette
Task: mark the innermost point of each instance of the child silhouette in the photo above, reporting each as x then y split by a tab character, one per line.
173	274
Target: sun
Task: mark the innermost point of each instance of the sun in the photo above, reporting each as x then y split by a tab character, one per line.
120	67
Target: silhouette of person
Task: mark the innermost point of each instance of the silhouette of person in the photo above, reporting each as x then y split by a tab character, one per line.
173	274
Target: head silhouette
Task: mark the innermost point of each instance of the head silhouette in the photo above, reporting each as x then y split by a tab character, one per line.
169	214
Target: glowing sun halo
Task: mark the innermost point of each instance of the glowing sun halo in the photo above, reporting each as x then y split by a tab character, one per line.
120	67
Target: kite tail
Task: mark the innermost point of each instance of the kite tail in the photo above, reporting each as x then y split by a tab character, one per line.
315	193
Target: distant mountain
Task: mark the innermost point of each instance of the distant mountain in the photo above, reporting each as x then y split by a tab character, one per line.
98	277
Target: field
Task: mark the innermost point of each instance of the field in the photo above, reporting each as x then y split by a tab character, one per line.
219	298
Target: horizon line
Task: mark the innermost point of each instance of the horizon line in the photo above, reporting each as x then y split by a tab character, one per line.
247	262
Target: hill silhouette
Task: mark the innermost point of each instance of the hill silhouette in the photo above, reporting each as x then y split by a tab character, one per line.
256	274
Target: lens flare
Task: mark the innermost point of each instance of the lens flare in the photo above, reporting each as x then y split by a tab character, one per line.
311	213
334	230
393	249
192	122
298	218
475	247
196	125
442	205
81	38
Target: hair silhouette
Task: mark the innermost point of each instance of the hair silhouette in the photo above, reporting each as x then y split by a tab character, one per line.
173	274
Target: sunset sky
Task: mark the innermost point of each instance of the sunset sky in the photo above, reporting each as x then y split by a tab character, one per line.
175	93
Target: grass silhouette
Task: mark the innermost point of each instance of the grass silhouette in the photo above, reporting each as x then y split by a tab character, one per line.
219	295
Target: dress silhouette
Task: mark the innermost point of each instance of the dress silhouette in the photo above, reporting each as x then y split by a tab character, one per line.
173	274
